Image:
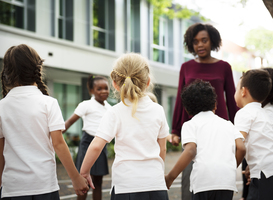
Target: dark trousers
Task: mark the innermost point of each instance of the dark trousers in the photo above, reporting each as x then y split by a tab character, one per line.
148	195
261	189
214	195
47	196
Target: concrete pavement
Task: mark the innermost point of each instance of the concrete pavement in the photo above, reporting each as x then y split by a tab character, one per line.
67	191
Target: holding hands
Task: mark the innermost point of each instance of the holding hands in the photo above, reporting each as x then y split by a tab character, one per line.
80	185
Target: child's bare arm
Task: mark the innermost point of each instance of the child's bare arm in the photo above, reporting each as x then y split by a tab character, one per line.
240	150
163	149
90	157
2	160
244	134
79	183
186	157
70	121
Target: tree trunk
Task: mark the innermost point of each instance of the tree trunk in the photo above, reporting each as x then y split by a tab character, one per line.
269	5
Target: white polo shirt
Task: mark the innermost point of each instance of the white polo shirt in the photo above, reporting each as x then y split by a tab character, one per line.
137	166
91	113
26	119
255	121
214	165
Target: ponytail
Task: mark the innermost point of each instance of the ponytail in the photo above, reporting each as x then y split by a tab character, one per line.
131	75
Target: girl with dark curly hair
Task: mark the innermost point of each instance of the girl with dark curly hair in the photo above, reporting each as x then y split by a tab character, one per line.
200	40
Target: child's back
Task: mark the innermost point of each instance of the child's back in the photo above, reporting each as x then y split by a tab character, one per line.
31	127
215	141
136	147
27	117
255	121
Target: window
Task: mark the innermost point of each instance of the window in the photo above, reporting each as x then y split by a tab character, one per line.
132	26
18	13
184	25
162	44
68	97
65	19
101	23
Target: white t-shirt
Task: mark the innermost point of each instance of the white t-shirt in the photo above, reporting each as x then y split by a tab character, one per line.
255	121
26	119
137	166
91	112
215	164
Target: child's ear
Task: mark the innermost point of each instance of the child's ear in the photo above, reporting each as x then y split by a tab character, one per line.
148	83
244	91
115	85
215	107
91	92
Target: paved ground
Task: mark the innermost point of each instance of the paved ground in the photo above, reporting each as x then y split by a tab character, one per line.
67	192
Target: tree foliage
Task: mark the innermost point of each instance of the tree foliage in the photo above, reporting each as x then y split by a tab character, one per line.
259	40
167	8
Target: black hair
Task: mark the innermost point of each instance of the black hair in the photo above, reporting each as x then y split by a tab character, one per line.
269	98
22	66
198	96
194	29
92	78
258	82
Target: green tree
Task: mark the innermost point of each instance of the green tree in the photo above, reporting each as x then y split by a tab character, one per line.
260	40
167	8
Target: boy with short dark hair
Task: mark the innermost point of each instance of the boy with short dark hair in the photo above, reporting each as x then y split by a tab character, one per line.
256	126
213	143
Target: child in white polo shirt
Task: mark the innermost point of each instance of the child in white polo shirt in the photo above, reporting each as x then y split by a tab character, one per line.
31	125
140	128
213	143
257	127
91	111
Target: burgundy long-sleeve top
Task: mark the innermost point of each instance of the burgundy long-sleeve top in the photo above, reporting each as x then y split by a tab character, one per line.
220	76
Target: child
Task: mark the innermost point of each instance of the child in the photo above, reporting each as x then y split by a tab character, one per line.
31	127
200	40
213	142
91	112
140	128
257	127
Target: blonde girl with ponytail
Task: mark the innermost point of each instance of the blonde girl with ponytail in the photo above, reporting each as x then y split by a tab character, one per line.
140	128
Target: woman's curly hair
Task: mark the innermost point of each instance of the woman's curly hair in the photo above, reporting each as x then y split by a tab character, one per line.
198	96
194	29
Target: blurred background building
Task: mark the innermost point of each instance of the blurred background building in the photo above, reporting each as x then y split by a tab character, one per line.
79	37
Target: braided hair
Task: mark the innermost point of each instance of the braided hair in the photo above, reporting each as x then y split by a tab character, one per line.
22	66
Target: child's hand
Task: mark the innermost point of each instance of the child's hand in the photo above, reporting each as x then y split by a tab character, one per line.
80	185
89	180
168	181
247	175
175	140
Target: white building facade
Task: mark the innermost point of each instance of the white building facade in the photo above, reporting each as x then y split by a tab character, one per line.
81	37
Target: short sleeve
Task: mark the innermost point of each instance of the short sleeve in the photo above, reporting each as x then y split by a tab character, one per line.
55	118
164	130
108	127
237	133
80	110
188	133
1	132
242	120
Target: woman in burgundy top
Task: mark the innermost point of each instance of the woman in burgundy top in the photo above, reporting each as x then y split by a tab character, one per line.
200	40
